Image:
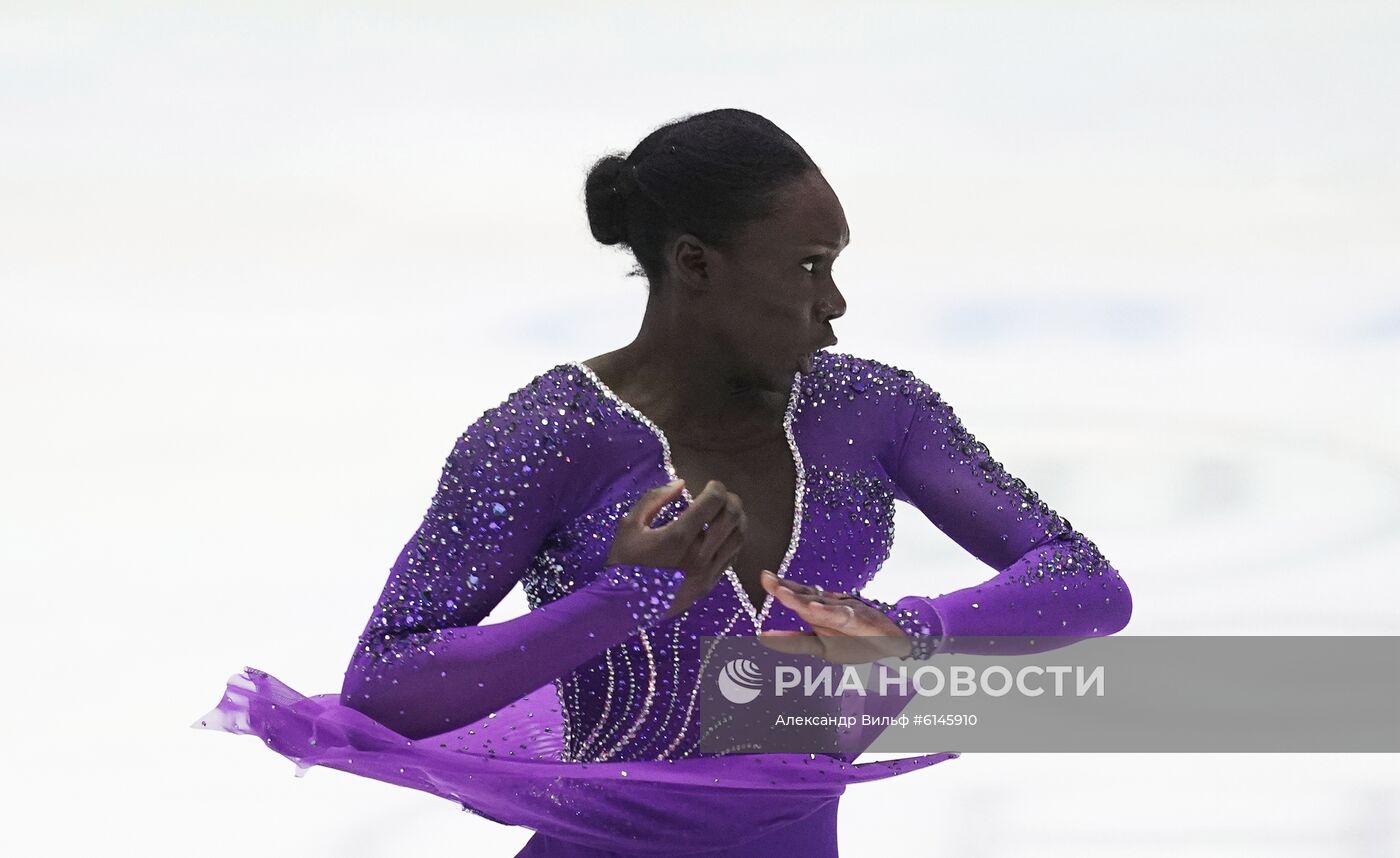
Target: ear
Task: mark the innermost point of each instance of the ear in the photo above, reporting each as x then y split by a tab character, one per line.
692	261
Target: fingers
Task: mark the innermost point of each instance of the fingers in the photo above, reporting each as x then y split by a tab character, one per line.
773	584
715	538
792	642
705	530
841	628
770	582
645	510
702	509
839	617
830	611
794	586
728	550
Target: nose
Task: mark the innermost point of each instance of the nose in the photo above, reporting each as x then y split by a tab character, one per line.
831	306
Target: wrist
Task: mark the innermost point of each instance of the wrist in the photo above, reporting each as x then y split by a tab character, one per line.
651	590
923	636
922	639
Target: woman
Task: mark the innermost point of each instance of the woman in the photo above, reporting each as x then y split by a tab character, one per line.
579	718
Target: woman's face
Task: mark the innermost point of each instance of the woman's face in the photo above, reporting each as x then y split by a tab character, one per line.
767	299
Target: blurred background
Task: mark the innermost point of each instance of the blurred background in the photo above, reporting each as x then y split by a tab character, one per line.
263	262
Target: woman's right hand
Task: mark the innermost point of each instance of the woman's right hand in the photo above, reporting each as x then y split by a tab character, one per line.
702	541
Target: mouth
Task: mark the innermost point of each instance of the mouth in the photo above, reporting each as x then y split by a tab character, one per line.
804	363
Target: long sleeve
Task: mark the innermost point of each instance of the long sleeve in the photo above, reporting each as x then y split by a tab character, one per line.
423	664
1051	579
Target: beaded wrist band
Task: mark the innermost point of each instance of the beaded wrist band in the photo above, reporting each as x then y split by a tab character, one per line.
922	641
921	638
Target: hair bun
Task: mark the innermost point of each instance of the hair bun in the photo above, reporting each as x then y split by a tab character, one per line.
610	183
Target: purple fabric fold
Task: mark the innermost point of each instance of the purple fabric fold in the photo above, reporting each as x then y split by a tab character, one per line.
506	768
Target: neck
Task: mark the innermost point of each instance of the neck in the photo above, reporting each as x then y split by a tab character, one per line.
691	384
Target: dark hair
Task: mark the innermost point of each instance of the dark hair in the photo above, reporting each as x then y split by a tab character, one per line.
707	174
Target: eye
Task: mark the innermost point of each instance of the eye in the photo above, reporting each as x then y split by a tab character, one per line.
811	262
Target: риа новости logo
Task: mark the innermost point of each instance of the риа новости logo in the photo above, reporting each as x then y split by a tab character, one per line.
740	681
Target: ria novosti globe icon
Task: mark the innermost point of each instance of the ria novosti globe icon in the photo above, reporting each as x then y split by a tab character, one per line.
740	681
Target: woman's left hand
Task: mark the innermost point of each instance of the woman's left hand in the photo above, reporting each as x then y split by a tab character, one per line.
844	630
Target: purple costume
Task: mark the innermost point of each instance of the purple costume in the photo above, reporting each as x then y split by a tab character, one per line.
579	718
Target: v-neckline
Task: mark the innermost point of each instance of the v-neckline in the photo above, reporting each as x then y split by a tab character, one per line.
757	616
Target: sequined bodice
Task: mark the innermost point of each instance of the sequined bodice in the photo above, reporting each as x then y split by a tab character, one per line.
532	493
639	699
